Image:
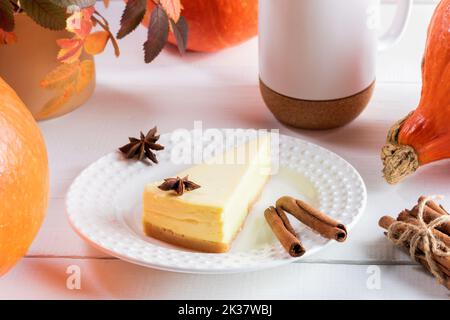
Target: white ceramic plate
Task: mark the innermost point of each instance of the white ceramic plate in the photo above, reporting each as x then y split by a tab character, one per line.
104	207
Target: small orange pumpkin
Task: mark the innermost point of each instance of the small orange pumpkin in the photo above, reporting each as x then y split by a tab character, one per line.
216	24
424	136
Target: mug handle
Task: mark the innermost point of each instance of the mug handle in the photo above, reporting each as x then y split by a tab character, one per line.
394	33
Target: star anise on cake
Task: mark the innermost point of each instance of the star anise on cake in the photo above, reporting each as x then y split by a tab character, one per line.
142	148
179	185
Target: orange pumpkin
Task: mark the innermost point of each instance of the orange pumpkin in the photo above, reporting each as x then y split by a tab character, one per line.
216	24
424	136
24	181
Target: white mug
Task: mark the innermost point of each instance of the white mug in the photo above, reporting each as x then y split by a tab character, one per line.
322	50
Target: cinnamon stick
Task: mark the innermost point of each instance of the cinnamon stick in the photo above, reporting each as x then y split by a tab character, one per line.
430	213
286	222
424	263
405	216
421	259
313	218
283	230
433	205
386	221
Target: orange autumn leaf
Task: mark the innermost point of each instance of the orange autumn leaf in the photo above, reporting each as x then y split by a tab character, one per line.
68	43
72	76
63	75
172	8
7	37
67	79
70	50
85	75
96	42
55	104
70	55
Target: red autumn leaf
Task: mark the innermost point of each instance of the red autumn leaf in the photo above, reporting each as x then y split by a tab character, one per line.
132	16
158	32
180	30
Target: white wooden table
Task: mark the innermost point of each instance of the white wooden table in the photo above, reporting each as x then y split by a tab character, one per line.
221	90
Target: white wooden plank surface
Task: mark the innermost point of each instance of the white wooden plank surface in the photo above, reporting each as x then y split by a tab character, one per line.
359	143
221	89
112	279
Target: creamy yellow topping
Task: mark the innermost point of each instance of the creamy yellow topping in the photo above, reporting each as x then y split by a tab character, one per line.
216	211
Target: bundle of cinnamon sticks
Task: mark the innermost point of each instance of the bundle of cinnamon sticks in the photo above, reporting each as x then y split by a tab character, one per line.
434	252
305	213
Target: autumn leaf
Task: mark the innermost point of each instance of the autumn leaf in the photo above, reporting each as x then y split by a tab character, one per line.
81	25
80	22
172	8
66	43
85	75
96	42
45	13
101	21
6	16
132	16
68	79
106	3
7	37
71	50
158	32
60	77
55	104
79	74
180	30
69	56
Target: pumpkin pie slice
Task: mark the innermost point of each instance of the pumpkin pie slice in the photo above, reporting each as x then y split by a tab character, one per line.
207	219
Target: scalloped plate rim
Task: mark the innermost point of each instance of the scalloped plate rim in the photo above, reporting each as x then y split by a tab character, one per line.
267	265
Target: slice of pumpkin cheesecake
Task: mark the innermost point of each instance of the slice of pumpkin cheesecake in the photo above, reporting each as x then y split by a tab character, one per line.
209	217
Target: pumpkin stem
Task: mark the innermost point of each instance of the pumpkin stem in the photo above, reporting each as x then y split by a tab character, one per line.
393	133
399	160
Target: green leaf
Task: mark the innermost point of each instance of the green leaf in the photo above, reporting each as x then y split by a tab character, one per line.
79	3
45	13
6	16
180	30
158	32
132	16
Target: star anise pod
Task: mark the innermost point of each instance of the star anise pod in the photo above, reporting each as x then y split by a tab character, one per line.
142	148
178	185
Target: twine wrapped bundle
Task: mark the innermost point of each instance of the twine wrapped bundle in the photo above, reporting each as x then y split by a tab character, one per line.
424	231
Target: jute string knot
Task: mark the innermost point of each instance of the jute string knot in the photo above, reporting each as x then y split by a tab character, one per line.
403	233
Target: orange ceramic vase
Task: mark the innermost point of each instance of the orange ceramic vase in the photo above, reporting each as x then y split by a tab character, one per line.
36	50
